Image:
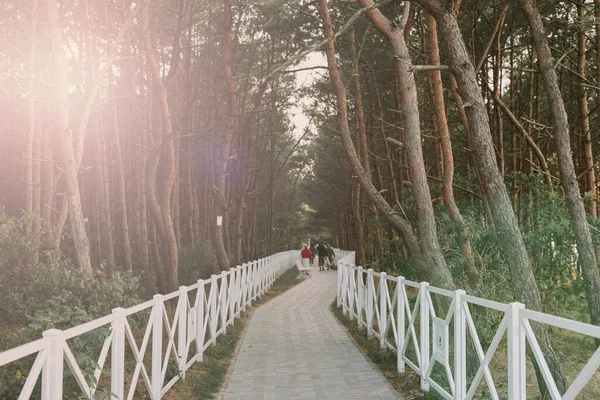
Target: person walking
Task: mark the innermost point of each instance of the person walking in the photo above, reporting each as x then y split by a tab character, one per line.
306	256
330	255
322	252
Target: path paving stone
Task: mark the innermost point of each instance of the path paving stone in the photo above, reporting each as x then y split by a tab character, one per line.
294	348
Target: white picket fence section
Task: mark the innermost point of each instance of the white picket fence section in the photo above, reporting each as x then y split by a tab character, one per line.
383	308
196	324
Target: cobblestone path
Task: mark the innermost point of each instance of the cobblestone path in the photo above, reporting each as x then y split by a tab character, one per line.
294	348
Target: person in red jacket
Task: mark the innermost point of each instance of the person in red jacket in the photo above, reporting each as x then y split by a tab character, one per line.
306	256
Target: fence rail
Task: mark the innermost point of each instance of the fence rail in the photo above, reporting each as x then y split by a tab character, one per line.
403	315
195	324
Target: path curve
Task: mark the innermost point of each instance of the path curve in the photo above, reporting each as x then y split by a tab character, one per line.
294	348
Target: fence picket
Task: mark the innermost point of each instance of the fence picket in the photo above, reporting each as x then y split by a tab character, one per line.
400	325
370	301
383	301
117	369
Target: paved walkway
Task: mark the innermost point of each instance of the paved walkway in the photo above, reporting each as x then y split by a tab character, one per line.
294	348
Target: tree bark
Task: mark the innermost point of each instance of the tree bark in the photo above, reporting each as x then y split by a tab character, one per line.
575	203
67	140
584	119
30	184
409	104
162	150
437	94
224	146
402	226
505	222
120	186
357	211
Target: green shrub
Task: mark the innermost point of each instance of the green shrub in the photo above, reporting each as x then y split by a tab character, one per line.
52	294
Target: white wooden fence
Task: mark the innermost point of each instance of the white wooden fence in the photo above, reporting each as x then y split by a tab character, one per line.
382	304
202	312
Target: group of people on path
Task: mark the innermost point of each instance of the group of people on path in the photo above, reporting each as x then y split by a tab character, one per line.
324	253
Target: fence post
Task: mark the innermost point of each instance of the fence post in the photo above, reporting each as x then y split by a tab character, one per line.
157	331
238	290
460	347
383	293
52	374
232	295
244	287
424	335
339	284
117	358
351	291
213	317
400	328
182	330
370	305
344	291
200	296
223	301
359	295
516	353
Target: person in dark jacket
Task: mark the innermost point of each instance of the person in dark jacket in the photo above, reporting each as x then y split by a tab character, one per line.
330	255
322	252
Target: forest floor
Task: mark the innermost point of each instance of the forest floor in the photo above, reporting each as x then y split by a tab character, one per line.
207	379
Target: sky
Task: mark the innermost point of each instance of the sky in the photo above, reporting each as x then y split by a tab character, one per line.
297	115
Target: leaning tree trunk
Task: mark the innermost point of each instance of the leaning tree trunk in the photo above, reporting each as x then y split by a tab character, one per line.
505	222
400	225
409	109
575	203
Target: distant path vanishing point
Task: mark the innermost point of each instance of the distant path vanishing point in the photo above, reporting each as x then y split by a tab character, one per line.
294	348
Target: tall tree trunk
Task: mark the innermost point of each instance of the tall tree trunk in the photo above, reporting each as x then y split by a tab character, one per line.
409	104
505	222
437	94
584	119
224	146
163	150
67	141
120	186
425	270
105	201
363	152
497	75
37	195
359	235
597	25
575	203
30	156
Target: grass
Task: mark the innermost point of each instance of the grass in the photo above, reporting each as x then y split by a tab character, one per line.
205	380
407	383
574	350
